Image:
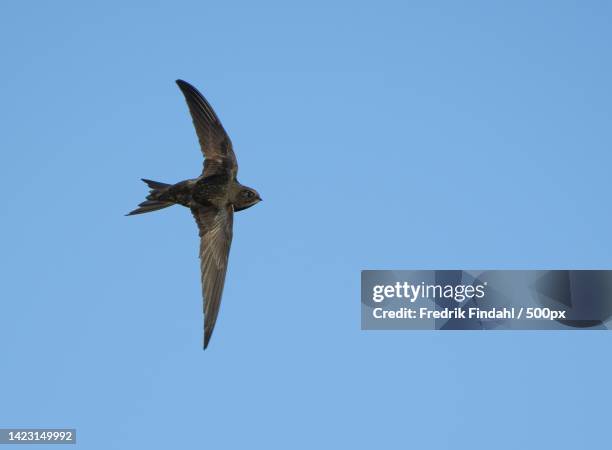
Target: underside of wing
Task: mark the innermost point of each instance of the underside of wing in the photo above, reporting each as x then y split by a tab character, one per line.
215	227
214	141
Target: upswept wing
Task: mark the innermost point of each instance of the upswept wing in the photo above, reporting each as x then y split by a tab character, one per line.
215	227
214	141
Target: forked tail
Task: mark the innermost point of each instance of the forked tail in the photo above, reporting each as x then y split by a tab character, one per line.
152	203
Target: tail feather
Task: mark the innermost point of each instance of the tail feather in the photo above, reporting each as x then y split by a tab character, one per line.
151	206
155	185
152	203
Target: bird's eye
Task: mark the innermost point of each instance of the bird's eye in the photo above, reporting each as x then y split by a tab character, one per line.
248	194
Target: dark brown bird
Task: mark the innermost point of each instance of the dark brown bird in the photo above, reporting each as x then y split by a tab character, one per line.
212	197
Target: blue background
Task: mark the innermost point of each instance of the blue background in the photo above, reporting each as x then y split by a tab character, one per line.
382	135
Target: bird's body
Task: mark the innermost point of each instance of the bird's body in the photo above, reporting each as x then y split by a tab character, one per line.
213	198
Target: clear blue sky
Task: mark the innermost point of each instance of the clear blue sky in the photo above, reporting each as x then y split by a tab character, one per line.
398	135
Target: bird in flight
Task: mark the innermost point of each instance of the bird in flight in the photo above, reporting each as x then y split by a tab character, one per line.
213	197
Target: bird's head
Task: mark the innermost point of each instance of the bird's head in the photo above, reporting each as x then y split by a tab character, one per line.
245	198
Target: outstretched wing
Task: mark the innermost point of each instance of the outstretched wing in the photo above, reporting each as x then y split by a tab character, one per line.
214	141
215	227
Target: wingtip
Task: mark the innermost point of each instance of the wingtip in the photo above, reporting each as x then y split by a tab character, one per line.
207	337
